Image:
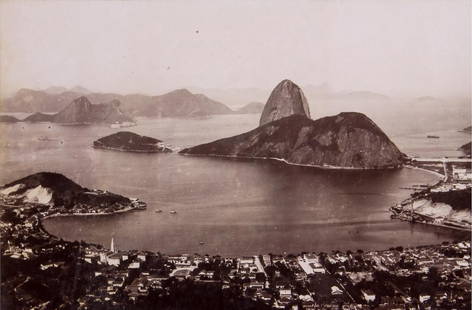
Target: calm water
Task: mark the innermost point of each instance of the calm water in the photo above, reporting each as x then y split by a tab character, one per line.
234	207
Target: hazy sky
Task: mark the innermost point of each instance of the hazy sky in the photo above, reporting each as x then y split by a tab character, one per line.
416	47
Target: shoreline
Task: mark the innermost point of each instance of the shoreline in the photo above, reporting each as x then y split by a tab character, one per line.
439	175
89	213
323	167
129	151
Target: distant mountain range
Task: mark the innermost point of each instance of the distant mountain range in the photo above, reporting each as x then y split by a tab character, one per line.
178	103
397	115
82	111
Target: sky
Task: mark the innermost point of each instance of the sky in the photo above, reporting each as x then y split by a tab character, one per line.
419	47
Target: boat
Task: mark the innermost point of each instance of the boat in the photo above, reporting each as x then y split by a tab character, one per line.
173	212
202	243
158	211
122	125
432	137
44	139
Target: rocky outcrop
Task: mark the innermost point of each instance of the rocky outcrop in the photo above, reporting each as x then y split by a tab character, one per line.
286	99
82	111
131	142
347	140
78	111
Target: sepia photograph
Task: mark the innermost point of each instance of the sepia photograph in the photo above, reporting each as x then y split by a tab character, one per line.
254	154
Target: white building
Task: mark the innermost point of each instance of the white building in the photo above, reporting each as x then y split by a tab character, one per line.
462	174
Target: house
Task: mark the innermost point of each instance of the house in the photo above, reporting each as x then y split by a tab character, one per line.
285	293
114	259
461	174
336	290
266	260
281	284
256	284
246	260
369	295
208	274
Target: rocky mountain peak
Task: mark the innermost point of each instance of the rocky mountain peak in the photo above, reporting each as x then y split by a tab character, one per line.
286	99
81	101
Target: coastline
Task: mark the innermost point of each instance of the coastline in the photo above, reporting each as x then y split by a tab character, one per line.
130	151
439	175
324	167
89	213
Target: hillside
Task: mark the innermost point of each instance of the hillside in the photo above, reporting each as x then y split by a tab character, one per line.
56	189
8	119
457	199
348	140
39	117
82	111
182	103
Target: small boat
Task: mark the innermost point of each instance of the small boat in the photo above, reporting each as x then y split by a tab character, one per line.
173	212
202	243
44	139
432	137
158	211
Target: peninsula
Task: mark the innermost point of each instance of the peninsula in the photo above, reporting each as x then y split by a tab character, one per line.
58	195
348	140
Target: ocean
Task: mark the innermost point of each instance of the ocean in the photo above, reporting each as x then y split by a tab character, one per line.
226	207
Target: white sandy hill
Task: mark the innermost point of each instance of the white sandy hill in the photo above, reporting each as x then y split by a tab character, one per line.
463	215
427	207
38	194
438	209
8	190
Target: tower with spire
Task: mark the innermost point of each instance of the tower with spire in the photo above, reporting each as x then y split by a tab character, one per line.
112	245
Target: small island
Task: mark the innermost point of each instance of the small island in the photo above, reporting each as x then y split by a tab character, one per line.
126	141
